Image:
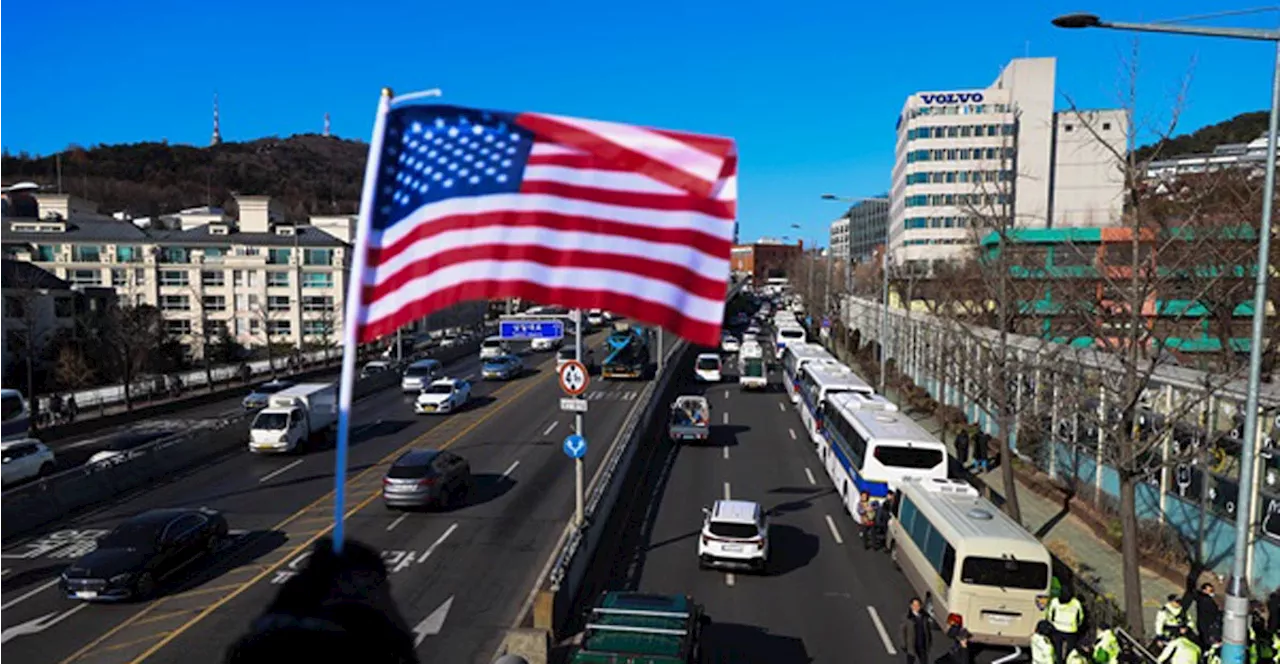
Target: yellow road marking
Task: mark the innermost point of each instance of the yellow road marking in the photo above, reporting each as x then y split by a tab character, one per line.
202	591
164	616
121	646
170	636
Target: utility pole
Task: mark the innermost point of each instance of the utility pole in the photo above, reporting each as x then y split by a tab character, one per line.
578	427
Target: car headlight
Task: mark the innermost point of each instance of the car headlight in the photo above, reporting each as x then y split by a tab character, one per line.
121	579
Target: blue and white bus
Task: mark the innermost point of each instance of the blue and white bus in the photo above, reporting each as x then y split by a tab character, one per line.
875	450
795	357
818	383
17	416
785	335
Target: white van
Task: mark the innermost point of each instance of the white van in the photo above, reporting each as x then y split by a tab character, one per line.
420	374
707	367
493	347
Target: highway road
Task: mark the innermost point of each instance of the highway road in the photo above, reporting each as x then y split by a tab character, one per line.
826	598
478	562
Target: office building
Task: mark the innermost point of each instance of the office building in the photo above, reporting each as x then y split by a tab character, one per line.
838	239
971	160
263	277
855	236
765	259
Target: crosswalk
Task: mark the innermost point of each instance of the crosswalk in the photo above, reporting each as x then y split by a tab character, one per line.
611	395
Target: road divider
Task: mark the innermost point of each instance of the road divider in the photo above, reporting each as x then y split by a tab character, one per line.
61	495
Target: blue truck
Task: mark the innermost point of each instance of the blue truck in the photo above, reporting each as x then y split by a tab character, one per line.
628	352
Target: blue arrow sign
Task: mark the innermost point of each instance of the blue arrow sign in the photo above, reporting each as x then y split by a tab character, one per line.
575	446
531	329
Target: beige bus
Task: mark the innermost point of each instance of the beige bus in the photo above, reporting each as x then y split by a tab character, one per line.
968	560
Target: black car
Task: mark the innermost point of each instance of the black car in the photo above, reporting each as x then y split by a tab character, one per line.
422	478
144	550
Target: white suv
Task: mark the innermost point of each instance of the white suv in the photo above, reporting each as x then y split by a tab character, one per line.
25	459
735	534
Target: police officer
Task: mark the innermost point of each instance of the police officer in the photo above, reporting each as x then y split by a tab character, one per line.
1182	649
1067	615
1077	656
1042	644
1214	654
1106	647
1171	617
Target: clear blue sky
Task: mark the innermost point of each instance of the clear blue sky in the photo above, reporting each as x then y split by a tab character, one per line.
810	90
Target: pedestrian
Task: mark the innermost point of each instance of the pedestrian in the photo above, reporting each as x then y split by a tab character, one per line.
1208	615
1066	613
1171	617
1106	647
883	513
981	451
72	409
1181	649
1042	644
916	634
962	446
866	519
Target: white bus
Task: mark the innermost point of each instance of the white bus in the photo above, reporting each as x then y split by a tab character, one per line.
785	335
875	450
817	383
969	561
795	357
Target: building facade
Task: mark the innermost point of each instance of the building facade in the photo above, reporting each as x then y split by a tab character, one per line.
266	279
867	221
966	161
838	239
764	259
37	308
1251	155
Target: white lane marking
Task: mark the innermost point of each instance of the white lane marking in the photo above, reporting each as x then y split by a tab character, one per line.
507	472
277	472
40	624
30	593
782	407
809	474
793	433
884	634
726	491
434	545
726	417
726	453
831	523
726	394
470	376
549	428
4	572
729	579
400	519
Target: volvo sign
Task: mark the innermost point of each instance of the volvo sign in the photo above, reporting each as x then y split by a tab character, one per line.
952	98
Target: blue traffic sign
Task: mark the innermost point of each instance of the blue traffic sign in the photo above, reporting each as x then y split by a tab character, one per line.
575	446
531	329
826	322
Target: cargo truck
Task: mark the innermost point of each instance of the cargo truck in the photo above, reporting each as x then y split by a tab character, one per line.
640	628
628	356
294	417
690	419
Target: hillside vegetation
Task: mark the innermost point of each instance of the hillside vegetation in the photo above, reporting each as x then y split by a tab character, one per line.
1240	129
309	173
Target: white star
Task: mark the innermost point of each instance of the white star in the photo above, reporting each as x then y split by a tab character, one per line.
506	163
417	166
458	152
428	135
413	145
488	138
474	180
439	123
453	167
480	164
463	141
453	132
515	136
502	178
511	150
424	187
464	172
442	160
477	130
490	171
500	145
466	157
417	126
448	183
432	154
435	176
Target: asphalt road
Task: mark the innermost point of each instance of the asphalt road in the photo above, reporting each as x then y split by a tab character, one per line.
825	599
478	561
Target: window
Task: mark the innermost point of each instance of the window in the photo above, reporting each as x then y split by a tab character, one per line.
214	302
44	253
278	303
279	328
85	277
175	255
64	307
86	253
908	457
317	280
177	327
14	307
1004	573
321	303
278	256
128	254
213	278
119	277
237	277
174	278
317	257
317	328
940	554
246	302
214	252
1106	126
175	303
277	278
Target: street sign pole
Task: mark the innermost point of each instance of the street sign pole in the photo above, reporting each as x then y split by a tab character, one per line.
578	428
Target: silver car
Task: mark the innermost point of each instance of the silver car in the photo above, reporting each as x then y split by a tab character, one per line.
426	478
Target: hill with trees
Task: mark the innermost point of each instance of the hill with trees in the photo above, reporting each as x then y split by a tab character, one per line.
309	173
1240	129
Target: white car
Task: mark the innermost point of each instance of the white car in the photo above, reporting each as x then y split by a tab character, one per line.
707	367
595	318
493	347
543	345
25	459
420	374
735	534
446	395
729	344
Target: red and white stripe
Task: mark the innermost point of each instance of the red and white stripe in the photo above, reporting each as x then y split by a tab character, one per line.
633	220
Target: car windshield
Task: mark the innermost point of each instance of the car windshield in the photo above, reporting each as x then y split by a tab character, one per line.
417	371
492	343
901	456
1005	573
734	530
271	421
709	363
140	535
269	388
439	389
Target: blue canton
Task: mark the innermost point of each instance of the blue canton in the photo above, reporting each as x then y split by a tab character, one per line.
431	153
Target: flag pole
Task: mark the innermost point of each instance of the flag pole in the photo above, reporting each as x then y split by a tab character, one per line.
351	320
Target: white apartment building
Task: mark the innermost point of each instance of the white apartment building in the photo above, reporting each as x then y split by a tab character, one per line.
964	158
261	276
839	238
1251	155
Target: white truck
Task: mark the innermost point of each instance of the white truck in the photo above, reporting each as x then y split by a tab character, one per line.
753	373
294	416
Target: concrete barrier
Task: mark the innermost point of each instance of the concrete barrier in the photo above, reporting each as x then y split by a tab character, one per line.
30	506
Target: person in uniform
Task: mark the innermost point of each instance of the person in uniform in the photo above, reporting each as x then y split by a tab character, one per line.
1182	649
1106	647
1042	644
1172	617
1066	614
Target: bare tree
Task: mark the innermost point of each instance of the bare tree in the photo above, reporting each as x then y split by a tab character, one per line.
34	301
132	335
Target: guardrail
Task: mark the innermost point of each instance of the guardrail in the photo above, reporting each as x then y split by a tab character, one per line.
58	496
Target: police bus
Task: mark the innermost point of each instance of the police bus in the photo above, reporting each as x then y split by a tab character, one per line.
818	382
873	450
795	357
970	562
785	335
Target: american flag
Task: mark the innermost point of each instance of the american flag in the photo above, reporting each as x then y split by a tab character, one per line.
471	204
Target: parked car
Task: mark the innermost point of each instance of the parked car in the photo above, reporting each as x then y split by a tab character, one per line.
422	478
25	459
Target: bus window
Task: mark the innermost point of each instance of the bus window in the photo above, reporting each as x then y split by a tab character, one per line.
1004	573
908	457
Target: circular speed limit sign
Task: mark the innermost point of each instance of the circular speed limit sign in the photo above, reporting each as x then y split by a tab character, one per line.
573	378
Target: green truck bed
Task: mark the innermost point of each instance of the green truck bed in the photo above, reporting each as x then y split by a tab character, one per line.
638	628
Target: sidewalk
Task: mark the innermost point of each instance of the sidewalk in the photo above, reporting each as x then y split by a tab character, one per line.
1094	558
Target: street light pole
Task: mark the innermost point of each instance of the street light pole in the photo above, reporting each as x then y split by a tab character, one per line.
1235	625
884	283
